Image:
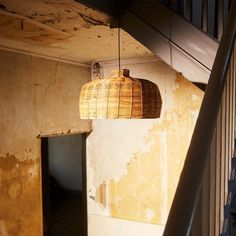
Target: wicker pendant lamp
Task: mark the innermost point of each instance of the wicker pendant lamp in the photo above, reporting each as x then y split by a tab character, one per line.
120	96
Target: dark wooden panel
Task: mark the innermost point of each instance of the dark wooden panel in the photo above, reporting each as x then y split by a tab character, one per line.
181	5
197	221
197	13
206	200
228	133
223	160
226	10
174	5
220	15
204	15
212	186
211	21
188	9
218	174
233	74
230	117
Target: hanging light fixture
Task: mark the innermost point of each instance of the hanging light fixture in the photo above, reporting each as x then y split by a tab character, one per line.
120	96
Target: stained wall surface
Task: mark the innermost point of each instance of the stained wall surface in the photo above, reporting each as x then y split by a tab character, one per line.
134	165
37	97
62	29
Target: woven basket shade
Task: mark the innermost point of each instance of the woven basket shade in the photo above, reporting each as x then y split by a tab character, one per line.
120	96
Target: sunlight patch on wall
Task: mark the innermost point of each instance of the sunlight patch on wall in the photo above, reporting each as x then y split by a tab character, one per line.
135	165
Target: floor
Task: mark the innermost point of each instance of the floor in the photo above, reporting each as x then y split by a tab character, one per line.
66	216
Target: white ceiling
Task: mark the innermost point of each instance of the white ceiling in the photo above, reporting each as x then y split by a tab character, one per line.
63	29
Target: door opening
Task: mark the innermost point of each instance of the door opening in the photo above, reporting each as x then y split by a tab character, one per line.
64	185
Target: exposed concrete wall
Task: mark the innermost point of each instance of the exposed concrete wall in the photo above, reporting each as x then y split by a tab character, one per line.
134	165
65	160
37	97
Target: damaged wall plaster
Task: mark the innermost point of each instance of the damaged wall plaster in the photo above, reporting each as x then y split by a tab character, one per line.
134	165
37	97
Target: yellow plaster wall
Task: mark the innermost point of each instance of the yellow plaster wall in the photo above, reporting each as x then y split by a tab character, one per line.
134	165
37	97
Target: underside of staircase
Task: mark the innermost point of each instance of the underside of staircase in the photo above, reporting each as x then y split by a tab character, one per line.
176	41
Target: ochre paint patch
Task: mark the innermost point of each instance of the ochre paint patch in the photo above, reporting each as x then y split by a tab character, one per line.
101	194
20	202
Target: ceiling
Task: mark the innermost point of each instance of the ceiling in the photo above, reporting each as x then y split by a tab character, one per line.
63	29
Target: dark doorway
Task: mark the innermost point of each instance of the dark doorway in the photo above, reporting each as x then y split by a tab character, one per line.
64	185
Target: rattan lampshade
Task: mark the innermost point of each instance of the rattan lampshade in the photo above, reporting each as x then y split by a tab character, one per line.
120	96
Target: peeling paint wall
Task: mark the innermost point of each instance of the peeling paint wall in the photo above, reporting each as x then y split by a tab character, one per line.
37	97
134	165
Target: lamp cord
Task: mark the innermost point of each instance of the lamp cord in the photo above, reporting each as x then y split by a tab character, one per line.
119	44
119	15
